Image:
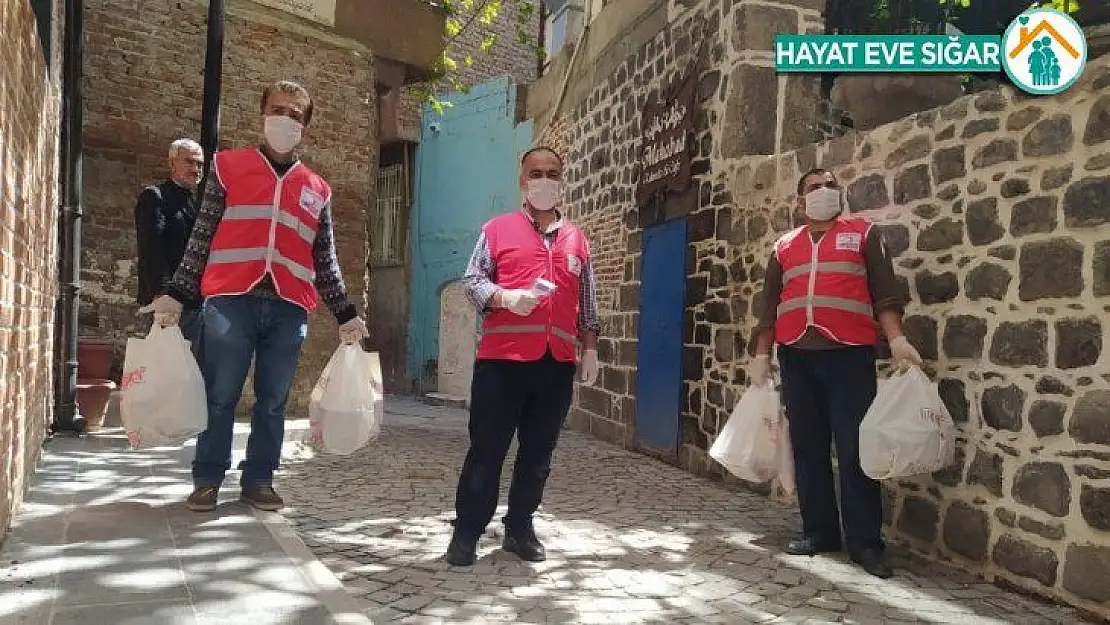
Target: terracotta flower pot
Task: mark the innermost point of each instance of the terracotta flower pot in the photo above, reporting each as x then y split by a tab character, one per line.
93	396
94	358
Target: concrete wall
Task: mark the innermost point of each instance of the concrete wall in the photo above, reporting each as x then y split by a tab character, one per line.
467	172
143	85
995	207
29	99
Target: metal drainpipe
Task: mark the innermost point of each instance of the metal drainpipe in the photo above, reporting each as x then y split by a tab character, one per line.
213	75
67	415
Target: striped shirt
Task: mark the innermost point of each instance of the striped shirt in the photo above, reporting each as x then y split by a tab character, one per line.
480	280
185	286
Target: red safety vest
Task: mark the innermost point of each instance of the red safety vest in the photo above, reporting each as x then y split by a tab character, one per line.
825	286
520	256
268	227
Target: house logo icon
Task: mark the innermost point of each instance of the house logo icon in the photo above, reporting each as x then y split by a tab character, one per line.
1044	51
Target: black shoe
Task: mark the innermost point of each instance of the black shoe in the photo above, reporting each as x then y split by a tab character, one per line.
810	547
874	562
263	497
203	498
523	542
462	551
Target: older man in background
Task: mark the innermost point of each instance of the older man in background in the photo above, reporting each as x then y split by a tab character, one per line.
164	218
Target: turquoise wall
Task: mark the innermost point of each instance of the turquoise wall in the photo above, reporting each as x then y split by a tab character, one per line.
467	170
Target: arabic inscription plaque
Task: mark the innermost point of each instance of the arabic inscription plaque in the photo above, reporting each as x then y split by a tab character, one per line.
666	126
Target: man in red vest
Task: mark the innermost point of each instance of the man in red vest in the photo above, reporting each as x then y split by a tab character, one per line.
531	278
826	284
261	254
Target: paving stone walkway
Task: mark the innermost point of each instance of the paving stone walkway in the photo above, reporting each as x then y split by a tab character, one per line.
630	540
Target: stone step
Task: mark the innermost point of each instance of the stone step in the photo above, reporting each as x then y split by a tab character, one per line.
443	399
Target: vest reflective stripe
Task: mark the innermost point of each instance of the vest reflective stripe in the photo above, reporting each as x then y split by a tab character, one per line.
819	301
247	254
853	269
248	213
530	329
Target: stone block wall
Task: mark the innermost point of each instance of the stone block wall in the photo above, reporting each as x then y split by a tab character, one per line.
28	246
743	108
143	85
996	209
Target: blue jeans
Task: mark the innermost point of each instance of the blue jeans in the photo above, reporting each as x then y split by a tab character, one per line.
237	328
827	392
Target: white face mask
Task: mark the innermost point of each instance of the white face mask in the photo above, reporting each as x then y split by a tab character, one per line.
544	194
283	134
823	204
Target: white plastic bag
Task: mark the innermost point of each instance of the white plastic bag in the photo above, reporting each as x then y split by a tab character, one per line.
785	476
346	408
907	431
163	400
754	444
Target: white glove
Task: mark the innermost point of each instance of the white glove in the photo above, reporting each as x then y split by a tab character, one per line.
589	368
759	371
353	331
904	354
520	301
167	311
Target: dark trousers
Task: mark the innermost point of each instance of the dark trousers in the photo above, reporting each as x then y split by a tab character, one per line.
530	399
827	394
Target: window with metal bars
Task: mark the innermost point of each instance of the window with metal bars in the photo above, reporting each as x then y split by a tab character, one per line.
390	223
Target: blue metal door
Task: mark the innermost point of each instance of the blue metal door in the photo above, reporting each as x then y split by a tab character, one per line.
659	361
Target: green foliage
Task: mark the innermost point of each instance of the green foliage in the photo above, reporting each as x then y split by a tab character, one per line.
470	31
1065	6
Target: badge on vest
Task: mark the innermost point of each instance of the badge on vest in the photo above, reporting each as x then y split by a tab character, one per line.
312	202
849	242
574	264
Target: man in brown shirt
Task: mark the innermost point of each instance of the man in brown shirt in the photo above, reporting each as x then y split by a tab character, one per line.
826	284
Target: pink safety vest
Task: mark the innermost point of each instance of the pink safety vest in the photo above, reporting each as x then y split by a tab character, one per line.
520	256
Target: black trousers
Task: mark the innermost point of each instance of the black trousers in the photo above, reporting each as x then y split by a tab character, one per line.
827	393
531	400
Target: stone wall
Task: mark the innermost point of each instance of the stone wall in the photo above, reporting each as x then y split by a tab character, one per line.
28	245
996	207
728	44
143	87
997	211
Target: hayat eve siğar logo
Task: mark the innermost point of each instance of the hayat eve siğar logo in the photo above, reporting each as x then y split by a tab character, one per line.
1044	51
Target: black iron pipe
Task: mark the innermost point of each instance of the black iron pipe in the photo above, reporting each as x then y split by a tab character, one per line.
213	77
67	414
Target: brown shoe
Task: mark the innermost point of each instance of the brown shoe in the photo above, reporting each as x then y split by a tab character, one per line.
203	498
263	497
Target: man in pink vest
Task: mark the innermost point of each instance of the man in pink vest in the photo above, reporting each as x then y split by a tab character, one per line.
826	284
532	280
261	253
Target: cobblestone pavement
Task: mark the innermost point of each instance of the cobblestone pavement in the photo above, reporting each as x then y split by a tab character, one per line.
630	540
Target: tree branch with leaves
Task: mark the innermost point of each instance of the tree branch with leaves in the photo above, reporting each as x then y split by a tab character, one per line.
472	30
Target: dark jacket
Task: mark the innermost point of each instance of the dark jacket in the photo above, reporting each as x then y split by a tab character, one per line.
164	218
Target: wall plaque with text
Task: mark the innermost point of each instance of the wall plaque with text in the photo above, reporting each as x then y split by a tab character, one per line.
666	126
